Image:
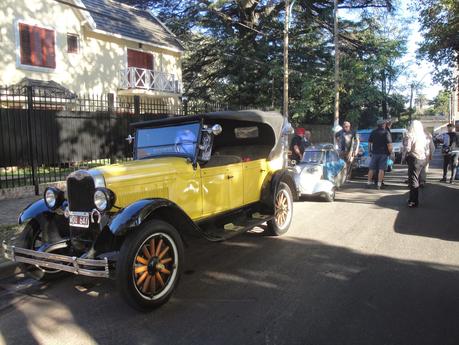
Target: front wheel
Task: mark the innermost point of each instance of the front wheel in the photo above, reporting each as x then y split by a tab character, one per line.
32	238
283	211
150	265
330	197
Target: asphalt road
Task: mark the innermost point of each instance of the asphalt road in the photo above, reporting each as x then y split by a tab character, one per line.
362	270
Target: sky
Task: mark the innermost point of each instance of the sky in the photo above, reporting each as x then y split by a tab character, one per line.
419	71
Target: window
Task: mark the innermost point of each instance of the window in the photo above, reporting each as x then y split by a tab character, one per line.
178	140
72	44
246	132
140	59
37	46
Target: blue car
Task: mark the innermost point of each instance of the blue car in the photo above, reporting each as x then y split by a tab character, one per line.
363	159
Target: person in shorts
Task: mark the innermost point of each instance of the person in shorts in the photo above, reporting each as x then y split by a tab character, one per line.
380	148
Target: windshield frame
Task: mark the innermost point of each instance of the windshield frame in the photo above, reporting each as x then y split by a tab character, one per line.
170	154
322	158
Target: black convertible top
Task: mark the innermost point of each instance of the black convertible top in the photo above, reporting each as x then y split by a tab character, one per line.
274	119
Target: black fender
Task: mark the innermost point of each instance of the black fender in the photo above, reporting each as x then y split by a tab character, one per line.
38	210
138	212
52	223
34	211
270	189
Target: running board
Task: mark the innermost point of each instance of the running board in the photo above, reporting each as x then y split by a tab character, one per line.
236	227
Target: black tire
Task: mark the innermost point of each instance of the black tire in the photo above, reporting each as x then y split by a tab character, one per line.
137	269
30	238
282	208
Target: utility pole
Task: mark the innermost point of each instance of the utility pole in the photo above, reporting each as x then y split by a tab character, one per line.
286	25
336	43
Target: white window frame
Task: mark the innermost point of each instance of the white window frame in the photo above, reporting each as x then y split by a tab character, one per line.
32	22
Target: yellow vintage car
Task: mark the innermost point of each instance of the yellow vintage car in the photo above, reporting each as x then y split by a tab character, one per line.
215	175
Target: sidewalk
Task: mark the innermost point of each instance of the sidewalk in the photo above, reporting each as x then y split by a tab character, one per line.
10	209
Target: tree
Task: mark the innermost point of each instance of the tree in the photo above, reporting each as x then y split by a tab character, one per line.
233	54
440	104
439	21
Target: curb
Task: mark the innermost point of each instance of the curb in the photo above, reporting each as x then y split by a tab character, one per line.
8	269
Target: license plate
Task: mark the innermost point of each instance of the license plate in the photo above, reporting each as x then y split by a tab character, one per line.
79	219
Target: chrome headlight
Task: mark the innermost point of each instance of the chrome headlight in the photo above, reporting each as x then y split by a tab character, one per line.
104	199
53	197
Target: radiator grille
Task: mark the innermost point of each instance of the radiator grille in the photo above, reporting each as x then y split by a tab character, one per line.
80	191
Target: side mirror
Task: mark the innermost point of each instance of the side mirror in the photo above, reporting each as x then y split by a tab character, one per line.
217	129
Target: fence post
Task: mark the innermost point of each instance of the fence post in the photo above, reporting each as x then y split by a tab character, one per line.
185	106
137	105
111	108
29	129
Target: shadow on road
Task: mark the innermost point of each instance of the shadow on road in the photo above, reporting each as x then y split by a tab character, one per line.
437	216
256	289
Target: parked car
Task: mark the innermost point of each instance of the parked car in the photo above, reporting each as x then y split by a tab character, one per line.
397	135
214	176
320	172
362	162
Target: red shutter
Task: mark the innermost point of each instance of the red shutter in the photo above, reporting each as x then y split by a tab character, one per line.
25	44
49	56
37	46
140	59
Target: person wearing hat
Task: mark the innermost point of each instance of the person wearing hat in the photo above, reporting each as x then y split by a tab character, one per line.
299	144
380	148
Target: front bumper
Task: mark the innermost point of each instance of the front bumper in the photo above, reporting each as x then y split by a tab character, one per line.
86	267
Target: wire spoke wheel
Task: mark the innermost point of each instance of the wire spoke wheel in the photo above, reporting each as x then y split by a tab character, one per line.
282	208
283	211
155	266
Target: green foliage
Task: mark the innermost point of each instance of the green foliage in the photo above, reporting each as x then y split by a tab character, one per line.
439	21
440	104
234	55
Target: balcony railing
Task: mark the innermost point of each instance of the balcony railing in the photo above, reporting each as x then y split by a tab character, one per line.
140	78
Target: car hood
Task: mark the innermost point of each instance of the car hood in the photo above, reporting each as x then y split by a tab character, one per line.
149	178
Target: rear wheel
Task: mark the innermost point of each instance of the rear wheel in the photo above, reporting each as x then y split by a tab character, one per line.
283	211
150	265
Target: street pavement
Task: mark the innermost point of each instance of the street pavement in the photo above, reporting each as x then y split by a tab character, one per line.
362	270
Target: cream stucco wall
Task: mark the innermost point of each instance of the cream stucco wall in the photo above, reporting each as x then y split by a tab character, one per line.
94	70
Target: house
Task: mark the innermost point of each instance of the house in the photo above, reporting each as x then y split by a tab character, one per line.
90	47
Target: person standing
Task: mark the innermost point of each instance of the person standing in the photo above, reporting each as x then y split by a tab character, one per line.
449	141
348	145
380	148
307	138
298	144
430	149
415	146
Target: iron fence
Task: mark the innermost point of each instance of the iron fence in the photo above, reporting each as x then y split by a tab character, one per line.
45	135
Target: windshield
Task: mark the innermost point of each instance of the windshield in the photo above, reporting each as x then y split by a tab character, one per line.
312	156
178	140
397	137
364	137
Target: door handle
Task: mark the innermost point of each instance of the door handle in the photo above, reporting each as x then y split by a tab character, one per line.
230	177
262	170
